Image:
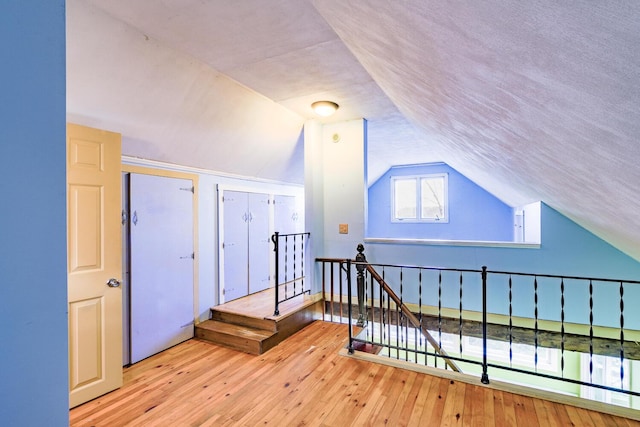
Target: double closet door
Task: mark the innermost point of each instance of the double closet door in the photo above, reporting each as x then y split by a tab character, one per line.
245	248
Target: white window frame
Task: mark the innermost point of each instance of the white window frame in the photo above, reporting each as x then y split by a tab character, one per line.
418	181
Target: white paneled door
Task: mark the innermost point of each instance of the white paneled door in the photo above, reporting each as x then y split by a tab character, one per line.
162	263
259	243
94	263
245	249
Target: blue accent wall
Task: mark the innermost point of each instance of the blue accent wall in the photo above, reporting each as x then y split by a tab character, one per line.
33	250
474	213
566	249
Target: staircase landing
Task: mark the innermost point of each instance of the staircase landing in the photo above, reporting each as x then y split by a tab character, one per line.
248	324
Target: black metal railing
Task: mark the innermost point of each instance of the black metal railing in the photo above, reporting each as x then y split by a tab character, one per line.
289	266
492	323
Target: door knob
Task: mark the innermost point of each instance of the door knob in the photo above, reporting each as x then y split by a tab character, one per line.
113	283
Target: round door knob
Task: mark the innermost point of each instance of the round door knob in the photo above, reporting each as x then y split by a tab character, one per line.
113	283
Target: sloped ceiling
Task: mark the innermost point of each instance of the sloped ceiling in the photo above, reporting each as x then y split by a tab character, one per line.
532	100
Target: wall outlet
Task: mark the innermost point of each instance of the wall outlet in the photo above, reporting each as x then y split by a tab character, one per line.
343	228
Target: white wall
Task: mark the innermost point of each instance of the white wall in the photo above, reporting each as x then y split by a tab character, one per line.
207	251
171	107
343	176
33	293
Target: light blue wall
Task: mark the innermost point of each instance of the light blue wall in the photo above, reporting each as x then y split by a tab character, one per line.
474	214
566	249
33	292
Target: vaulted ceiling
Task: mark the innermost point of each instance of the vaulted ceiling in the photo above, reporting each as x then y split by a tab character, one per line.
536	100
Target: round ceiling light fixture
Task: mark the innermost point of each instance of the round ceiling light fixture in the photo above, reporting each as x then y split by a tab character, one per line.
324	108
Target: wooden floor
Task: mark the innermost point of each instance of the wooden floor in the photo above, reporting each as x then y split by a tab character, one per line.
304	381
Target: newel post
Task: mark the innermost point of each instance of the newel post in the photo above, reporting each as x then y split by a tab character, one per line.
360	260
274	239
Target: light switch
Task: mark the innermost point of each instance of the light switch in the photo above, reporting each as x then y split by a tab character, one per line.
343	228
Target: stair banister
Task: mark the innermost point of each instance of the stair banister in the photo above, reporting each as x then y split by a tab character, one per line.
361	262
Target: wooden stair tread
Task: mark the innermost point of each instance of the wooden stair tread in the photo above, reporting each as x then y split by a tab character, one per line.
237	330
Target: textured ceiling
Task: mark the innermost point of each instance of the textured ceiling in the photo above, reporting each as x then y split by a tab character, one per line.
533	100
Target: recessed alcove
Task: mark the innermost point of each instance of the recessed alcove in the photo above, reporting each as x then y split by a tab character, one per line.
474	216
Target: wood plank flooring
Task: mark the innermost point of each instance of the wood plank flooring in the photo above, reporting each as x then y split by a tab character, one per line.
304	381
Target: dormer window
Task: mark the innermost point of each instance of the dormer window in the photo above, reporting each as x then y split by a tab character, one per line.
420	198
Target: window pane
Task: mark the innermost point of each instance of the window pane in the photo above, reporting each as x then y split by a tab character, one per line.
432	198
405	198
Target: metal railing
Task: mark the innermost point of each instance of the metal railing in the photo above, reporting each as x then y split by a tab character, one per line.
289	266
502	323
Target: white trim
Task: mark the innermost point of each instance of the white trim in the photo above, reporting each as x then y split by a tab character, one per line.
137	161
439	242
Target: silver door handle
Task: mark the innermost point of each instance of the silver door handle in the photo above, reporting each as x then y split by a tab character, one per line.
113	283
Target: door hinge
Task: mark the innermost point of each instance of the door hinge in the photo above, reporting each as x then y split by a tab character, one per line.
124	217
190	189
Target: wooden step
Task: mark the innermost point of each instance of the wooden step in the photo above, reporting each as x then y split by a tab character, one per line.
239	325
239	337
224	315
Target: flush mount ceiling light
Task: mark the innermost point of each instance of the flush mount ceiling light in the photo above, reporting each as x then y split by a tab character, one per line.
324	108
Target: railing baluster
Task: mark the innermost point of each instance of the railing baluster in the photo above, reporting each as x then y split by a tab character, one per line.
370	309
383	331
340	293
439	317
621	335
417	337
373	309
294	264
401	317
332	291
302	264
562	336
397	323
387	311
286	263
510	321
460	317
324	293
535	329
590	331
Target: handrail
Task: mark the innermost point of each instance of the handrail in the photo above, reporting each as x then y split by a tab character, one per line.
412	318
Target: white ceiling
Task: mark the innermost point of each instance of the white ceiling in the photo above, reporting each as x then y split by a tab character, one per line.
535	100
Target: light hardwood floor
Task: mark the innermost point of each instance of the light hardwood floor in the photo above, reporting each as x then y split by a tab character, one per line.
304	381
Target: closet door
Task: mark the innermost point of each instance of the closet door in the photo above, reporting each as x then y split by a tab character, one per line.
259	244
235	245
161	221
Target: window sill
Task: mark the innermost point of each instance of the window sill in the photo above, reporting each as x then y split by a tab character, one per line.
438	242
